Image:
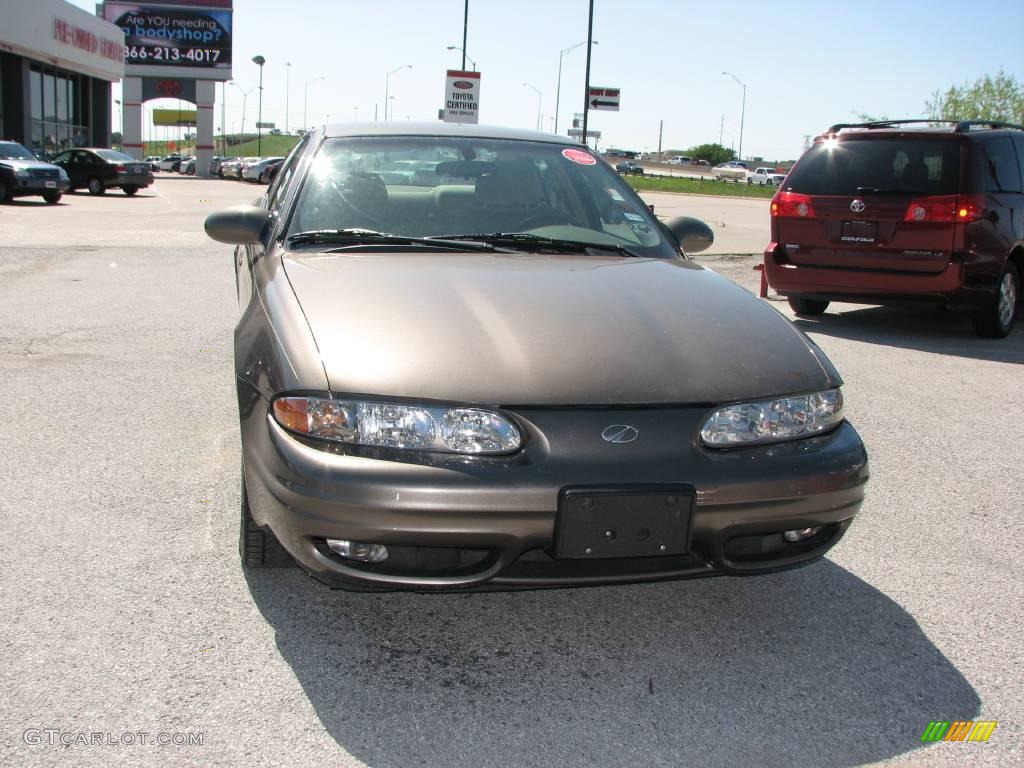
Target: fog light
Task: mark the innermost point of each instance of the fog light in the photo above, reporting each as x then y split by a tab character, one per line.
362	551
800	534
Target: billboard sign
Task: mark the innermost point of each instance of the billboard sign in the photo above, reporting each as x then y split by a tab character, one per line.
462	97
173	36
185	117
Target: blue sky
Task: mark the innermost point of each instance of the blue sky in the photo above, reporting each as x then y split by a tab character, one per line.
806	64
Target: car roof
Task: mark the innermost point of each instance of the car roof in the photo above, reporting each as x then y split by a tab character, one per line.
398	128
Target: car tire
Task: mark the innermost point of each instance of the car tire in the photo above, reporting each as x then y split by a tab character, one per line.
996	318
130	190
5	193
263	178
808	307
96	186
52	197
258	547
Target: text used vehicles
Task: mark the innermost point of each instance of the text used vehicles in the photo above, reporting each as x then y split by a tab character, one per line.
764	176
22	175
101	169
512	376
733	170
904	212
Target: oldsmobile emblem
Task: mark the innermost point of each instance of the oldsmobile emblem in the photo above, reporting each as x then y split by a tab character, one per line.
620	433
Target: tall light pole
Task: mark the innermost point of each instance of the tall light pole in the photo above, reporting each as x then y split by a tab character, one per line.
465	32
586	78
245	96
540	97
387	84
464	57
259	61
743	110
558	90
287	84
120	120
305	102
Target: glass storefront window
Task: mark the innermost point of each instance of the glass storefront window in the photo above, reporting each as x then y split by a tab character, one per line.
58	107
49	94
36	96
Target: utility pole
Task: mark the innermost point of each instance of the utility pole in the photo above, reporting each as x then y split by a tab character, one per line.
661	127
721	130
465	32
586	88
287	78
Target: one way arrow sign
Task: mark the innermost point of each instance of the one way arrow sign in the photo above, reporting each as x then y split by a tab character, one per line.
604	98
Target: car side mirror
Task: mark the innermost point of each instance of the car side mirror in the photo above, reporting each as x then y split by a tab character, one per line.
241	225
693	234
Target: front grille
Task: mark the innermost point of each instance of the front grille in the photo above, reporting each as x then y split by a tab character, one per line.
45	173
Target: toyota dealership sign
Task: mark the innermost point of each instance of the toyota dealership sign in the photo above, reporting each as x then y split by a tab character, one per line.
462	97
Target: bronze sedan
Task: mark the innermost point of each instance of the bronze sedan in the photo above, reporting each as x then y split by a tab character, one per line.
472	358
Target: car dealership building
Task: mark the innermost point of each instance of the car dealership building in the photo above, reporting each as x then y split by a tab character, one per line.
57	63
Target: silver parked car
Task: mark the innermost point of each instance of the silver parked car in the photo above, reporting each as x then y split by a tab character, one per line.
258	171
511	375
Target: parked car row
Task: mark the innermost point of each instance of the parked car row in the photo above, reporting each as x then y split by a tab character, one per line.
96	169
259	170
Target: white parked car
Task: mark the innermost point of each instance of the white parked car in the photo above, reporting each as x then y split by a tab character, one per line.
764	176
170	163
679	160
733	169
257	171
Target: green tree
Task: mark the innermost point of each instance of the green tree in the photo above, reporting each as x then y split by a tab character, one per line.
988	98
713	153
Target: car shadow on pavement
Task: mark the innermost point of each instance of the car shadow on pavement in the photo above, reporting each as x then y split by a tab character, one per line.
805	668
945	333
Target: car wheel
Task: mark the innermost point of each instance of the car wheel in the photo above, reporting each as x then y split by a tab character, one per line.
258	547
5	194
190	171
52	197
130	190
96	186
995	319
808	307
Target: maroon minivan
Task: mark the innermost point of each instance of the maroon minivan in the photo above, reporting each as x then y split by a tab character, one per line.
903	212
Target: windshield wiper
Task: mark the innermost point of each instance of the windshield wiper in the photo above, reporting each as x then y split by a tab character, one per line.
884	191
356	236
521	239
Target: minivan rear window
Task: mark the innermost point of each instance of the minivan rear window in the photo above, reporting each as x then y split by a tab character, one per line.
890	165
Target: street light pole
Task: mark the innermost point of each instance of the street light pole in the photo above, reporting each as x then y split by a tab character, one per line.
558	89
259	61
465	32
245	96
743	109
387	85
305	102
586	87
540	97
464	57
287	84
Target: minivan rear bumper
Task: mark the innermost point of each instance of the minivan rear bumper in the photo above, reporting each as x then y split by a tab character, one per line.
963	282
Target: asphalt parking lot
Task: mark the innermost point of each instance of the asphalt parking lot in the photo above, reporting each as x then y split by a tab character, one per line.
123	608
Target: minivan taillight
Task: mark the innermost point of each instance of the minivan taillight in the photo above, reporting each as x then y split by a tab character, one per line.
946	208
792	205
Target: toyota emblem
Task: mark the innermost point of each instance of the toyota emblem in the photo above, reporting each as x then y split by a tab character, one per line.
857	206
620	433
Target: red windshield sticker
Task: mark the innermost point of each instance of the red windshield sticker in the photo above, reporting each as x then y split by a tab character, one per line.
579	156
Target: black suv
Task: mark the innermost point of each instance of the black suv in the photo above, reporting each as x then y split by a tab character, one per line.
22	175
909	211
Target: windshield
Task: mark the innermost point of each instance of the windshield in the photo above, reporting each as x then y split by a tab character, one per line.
10	150
113	154
897	164
430	186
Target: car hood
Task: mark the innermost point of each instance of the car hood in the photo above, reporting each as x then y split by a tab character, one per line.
521	329
28	165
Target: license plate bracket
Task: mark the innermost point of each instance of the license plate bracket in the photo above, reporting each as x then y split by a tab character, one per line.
51	185
859	232
625	521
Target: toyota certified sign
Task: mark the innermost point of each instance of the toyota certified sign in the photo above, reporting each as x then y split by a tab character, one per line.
462	97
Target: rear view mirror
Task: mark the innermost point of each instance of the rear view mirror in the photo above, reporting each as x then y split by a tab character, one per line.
241	225
693	234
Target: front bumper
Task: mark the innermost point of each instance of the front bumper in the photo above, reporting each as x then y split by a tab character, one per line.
36	186
505	509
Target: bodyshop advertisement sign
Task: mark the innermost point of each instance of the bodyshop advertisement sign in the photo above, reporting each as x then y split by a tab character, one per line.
462	97
165	36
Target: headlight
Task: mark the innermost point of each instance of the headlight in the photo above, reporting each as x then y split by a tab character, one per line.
772	421
22	173
397	425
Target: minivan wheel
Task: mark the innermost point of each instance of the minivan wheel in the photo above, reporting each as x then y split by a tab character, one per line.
96	186
995	319
257	547
808	307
